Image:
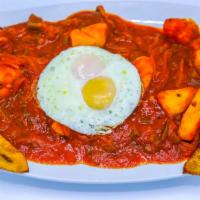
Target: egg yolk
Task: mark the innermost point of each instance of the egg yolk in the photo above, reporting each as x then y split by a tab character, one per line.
99	92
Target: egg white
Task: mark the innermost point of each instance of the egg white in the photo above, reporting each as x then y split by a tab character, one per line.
60	96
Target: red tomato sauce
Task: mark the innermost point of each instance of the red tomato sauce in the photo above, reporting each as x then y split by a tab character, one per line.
147	136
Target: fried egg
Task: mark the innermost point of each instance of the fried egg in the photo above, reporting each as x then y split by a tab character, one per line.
89	89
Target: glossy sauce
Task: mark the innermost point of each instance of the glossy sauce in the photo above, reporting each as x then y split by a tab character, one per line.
147	136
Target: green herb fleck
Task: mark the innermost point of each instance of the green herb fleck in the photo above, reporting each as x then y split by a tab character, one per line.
124	72
65	92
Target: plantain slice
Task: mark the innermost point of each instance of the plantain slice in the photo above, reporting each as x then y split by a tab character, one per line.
192	165
10	158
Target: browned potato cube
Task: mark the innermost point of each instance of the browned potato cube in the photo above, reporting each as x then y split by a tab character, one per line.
93	35
145	67
176	101
190	122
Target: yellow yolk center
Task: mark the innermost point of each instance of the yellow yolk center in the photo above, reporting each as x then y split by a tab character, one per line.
99	92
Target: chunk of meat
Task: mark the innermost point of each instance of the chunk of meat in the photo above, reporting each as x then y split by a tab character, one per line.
190	123
6	45
93	35
60	129
197	60
181	30
3	41
10	75
35	22
145	66
50	30
176	101
11	60
195	44
10	80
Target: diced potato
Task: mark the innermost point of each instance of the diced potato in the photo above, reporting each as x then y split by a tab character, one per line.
181	30
192	166
60	129
10	158
190	123
145	67
176	101
197	60
93	35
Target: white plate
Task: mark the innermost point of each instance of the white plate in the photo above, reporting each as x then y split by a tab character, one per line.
143	12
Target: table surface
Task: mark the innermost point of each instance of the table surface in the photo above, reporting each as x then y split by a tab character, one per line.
20	188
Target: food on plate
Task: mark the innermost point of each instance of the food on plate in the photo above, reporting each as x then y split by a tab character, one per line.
192	165
93	35
175	102
182	30
10	158
60	129
190	123
99	90
10	76
96	96
197	60
145	67
35	22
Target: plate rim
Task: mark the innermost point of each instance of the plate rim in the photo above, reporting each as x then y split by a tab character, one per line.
97	182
